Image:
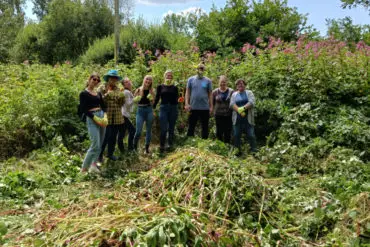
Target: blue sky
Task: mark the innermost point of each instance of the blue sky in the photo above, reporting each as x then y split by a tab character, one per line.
317	10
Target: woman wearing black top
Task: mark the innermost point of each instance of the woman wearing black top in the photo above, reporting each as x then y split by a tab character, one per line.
168	94
92	106
144	97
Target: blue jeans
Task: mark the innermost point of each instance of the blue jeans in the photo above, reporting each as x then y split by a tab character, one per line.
143	114
167	118
243	126
96	134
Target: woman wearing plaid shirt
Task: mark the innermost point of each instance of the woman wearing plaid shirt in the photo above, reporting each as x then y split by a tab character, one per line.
113	99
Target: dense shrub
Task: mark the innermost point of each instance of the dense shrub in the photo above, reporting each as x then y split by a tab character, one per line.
136	35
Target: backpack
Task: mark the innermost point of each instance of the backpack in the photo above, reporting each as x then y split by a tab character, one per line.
80	113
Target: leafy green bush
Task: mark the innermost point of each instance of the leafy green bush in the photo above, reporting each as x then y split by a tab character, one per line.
135	37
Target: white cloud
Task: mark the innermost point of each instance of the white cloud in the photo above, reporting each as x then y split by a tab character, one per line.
184	12
162	2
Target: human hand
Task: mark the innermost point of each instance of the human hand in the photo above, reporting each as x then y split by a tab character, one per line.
241	110
100	121
187	107
137	99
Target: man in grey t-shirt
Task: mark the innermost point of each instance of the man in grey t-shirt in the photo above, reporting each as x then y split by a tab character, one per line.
198	101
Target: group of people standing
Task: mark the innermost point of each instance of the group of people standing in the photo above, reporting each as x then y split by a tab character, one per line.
108	112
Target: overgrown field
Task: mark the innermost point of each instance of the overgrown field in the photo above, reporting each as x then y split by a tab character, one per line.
309	185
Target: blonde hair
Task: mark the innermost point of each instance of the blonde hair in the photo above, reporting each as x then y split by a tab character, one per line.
165	73
146	77
222	78
140	90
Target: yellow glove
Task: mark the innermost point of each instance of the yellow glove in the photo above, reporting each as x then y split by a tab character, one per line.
100	121
242	114
105	119
149	97
241	110
137	99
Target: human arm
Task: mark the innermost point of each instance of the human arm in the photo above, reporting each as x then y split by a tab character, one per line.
251	100
210	97
157	96
83	105
151	95
187	96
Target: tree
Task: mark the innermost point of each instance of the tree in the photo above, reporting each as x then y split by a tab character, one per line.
66	31
345	30
40	8
355	3
14	5
11	21
240	22
185	23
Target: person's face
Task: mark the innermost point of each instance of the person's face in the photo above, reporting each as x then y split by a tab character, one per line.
223	83
200	71
112	83
241	86
169	76
94	81
127	84
148	82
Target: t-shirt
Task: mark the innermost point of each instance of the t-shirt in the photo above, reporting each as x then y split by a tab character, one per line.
168	94
89	101
144	101
127	108
199	90
221	102
241	99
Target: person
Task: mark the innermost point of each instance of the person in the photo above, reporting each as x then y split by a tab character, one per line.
144	97
92	106
127	109
242	103
168	94
221	102
113	99
198	101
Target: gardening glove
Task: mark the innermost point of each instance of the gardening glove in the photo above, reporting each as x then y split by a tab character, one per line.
149	97
100	121
105	119
242	114
241	110
137	99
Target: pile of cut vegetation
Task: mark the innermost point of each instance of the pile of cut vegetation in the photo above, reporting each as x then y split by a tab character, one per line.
193	197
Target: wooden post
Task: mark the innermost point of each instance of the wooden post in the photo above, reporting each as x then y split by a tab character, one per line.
116	30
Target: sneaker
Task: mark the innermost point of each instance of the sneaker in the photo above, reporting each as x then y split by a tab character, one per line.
94	169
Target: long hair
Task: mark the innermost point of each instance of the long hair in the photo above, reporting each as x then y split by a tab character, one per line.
93	74
165	73
109	83
151	85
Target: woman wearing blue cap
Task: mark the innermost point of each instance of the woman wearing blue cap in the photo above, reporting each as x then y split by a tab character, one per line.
113	99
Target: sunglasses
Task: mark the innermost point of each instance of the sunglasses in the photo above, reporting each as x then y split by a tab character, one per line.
96	79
